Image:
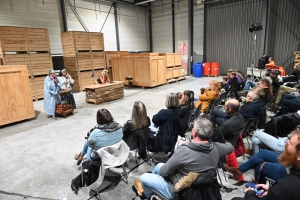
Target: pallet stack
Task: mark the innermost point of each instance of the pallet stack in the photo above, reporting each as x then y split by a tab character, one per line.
297	56
109	55
84	57
31	47
174	69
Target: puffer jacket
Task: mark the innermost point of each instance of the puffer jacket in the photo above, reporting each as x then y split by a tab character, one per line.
251	109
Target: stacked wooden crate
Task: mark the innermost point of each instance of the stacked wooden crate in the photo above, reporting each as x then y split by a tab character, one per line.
30	47
108	56
147	69
174	69
84	57
297	56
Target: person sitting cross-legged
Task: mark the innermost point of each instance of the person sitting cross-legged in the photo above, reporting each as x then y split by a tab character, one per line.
198	156
286	187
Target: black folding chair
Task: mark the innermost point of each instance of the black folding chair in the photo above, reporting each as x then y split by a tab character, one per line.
250	126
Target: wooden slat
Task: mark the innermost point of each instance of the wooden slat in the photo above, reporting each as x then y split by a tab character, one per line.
17	59
37	40
41	63
98	59
12	39
97	41
113	54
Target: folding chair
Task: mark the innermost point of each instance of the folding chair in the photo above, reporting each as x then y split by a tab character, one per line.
157	196
222	98
249	127
211	105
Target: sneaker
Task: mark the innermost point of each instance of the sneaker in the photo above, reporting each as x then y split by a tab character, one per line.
53	117
138	186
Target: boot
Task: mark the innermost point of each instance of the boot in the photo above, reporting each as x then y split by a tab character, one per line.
78	157
235	171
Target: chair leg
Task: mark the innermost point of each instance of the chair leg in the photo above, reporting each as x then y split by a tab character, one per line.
125	174
220	179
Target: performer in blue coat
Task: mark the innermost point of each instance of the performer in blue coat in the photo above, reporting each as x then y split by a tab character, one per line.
51	96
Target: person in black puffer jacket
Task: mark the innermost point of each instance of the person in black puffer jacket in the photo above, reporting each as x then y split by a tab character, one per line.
136	130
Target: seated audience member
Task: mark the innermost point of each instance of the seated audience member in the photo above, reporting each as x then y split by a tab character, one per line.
185	101
260	138
197	156
136	130
208	94
270	62
295	76
233	85
67	83
275	83
289	104
285	90
167	121
225	85
238	76
267	92
103	78
229	121
107	132
288	186
252	107
265	57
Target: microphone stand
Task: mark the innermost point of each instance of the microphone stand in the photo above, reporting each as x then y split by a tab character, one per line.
252	59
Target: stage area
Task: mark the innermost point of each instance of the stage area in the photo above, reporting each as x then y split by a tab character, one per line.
37	155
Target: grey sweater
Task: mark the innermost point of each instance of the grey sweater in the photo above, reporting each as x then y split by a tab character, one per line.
192	157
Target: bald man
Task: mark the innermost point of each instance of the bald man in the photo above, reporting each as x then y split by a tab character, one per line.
229	121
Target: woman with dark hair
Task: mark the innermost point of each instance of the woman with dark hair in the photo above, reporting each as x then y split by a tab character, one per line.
67	83
136	130
185	101
107	132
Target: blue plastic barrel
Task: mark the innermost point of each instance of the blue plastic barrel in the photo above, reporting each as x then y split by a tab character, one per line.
197	69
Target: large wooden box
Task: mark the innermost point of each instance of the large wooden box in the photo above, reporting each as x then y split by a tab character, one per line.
12	39
41	63
98	59
74	41
113	54
122	67
97	41
104	92
83	78
78	61
16	59
172	59
149	71
15	96
37	40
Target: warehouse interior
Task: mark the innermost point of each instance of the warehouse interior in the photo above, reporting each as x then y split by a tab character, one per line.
38	153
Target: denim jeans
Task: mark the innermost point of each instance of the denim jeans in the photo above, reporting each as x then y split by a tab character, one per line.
156	182
249	84
273	143
271	169
86	150
219	115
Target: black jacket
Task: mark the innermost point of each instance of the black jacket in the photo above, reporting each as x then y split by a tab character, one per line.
275	85
282	125
251	109
232	124
183	109
285	189
163	116
93	168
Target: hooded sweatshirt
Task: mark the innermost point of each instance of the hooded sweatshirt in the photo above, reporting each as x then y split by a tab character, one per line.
192	157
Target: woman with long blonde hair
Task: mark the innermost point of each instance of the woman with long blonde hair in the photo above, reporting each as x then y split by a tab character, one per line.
208	94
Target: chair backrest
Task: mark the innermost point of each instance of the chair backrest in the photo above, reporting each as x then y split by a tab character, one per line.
211	105
235	137
221	98
249	124
197	112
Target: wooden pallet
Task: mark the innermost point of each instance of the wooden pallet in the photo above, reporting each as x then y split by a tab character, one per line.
297	56
210	75
297	60
176	79
296	52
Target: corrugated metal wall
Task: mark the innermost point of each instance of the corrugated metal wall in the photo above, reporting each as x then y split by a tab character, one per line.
283	32
228	39
181	22
133	28
198	32
32	13
162	26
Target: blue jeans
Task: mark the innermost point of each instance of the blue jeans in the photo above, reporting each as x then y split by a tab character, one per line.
271	169
156	182
287	97
289	106
86	150
273	143
219	115
249	84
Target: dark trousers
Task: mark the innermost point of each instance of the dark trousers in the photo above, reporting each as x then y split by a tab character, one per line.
271	169
219	116
289	106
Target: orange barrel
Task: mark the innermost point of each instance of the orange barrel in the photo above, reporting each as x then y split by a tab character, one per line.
215	68
206	68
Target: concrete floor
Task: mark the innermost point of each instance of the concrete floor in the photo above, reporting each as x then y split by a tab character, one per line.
37	155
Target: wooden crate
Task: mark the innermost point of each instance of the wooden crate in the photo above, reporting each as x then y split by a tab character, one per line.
110	73
74	41
149	71
83	78
15	97
296	52
37	40
172	59
139	54
297	56
122	67
177	59
39	86
12	39
16	59
104	92
169	73
78	61
113	54
32	89
97	41
98	59
41	63
75	76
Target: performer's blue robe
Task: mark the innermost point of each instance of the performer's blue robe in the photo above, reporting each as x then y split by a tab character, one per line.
51	96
